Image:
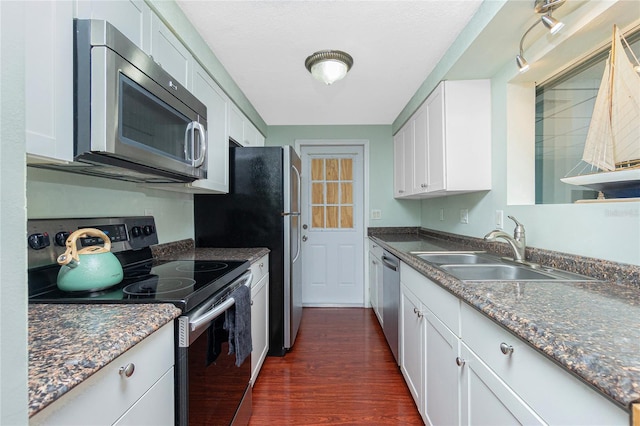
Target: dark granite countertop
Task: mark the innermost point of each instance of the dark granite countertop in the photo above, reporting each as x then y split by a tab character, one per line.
64	350
590	328
185	250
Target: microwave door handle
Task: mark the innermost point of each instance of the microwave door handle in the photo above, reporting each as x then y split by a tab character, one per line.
198	162
188	141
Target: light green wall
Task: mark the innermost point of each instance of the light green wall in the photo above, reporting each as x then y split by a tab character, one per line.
13	244
394	212
52	194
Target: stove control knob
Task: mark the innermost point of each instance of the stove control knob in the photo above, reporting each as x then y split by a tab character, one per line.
39	241
136	231
61	238
148	230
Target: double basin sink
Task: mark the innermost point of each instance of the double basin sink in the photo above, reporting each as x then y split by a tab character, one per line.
480	266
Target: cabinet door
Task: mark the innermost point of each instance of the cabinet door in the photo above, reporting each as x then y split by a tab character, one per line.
205	89
420	152
259	325
49	80
169	52
399	187
435	172
412	341
155	408
131	17
442	374
236	125
487	400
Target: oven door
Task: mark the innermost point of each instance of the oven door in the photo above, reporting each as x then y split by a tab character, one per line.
211	389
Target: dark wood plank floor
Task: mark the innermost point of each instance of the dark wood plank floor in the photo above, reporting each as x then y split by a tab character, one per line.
340	371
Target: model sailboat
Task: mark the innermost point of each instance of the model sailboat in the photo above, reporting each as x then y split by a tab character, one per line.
612	147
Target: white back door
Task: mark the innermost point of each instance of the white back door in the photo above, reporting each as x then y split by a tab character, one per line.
333	225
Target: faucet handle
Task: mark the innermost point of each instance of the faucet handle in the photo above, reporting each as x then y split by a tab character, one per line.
519	229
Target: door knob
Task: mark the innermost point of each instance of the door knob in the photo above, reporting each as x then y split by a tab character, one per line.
304	226
304	238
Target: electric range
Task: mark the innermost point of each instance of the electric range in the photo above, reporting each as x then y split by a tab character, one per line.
184	283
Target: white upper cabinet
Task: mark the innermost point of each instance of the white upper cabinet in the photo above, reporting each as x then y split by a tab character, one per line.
49	81
205	89
403	144
169	52
131	17
449	138
242	130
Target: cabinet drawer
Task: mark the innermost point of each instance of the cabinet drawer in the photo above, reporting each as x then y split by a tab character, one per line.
375	249
443	304
551	391
106	395
259	269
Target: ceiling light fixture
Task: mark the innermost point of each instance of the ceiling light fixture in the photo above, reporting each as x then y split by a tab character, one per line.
545	7
329	66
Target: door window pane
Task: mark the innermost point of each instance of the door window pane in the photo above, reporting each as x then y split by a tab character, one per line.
332	193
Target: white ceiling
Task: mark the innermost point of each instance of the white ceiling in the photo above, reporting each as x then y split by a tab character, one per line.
394	44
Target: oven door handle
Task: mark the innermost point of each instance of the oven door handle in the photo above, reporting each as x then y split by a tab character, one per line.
203	320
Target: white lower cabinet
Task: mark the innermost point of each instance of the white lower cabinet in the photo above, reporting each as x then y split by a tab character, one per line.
428	351
259	315
375	279
463	368
146	397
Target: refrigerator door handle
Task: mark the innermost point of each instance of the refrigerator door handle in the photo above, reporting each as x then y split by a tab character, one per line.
298	213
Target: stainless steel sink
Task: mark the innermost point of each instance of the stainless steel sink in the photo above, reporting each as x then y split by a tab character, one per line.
508	272
455	258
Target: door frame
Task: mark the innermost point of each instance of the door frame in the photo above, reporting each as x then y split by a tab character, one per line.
364	143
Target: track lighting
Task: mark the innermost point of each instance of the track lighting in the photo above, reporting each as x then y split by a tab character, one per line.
552	24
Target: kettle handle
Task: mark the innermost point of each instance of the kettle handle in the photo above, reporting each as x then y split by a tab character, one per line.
72	252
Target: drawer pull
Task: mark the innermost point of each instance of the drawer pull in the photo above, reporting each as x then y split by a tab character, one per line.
261	265
417	312
506	349
459	361
127	370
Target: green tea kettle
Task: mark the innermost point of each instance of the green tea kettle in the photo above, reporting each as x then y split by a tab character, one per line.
91	268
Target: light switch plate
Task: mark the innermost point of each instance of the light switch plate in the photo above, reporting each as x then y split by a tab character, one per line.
464	216
376	214
499	219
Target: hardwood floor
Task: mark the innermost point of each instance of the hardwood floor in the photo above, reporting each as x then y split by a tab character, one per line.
340	371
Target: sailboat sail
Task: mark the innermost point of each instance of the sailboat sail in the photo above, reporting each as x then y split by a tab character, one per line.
613	140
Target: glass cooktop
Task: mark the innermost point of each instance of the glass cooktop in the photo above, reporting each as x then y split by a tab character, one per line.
185	283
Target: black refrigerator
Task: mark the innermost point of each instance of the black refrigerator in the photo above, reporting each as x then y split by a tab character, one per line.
262	209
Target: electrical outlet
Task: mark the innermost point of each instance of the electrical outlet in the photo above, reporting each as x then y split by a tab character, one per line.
148	212
441	214
376	214
499	219
464	216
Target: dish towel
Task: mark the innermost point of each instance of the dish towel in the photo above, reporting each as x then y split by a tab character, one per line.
237	322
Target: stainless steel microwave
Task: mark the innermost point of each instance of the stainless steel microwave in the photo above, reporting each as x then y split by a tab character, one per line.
133	121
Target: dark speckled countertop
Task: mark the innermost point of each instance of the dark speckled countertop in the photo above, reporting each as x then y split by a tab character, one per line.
590	328
64	351
69	343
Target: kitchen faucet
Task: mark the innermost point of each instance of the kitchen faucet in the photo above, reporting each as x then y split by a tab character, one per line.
517	242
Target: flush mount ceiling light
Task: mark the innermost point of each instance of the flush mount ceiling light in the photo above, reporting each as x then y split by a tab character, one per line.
329	66
545	7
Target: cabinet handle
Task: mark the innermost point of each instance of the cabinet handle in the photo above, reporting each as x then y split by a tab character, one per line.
424	185
460	362
261	265
417	312
401	191
506	349
127	370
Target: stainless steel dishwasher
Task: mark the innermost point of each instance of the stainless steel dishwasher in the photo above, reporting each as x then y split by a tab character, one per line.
391	300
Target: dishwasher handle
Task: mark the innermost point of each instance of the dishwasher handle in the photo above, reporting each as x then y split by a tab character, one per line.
390	263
